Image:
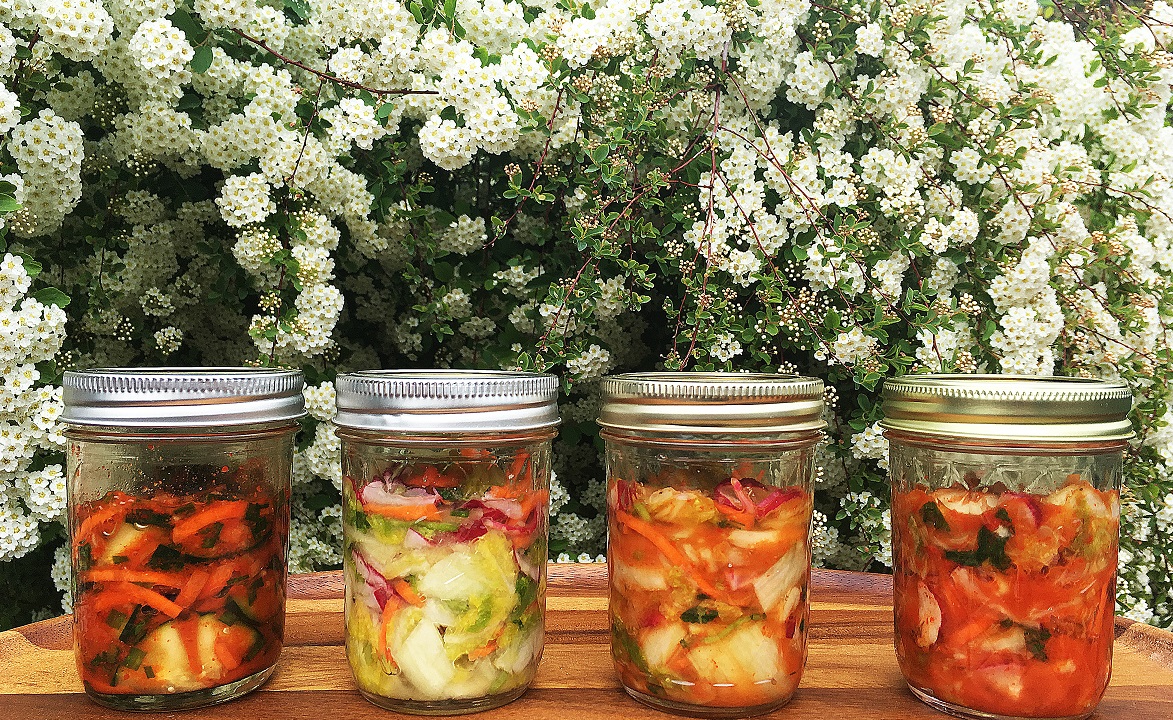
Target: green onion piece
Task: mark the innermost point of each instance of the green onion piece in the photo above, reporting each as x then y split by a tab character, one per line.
134	658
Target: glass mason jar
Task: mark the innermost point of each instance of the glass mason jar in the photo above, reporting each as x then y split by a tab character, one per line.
709	508
178	486
446	494
1005	522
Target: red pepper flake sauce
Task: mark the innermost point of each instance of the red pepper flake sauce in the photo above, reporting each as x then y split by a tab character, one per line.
1004	601
178	593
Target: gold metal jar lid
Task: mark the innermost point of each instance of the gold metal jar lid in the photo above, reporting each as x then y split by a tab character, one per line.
713	404
1017	408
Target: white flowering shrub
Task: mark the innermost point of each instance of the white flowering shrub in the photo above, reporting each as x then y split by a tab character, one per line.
850	189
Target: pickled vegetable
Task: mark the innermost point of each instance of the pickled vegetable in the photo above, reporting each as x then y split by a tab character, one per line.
1004	600
709	591
446	577
179	592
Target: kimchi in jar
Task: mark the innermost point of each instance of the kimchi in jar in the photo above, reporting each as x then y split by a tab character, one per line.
445	518
1005	524
709	505
179	483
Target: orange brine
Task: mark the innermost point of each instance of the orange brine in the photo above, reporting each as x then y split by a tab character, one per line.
1004	600
179	593
709	591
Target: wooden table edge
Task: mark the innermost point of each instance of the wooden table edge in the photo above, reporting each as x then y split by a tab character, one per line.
570	579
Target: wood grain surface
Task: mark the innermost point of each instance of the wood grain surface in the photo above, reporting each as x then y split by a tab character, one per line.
851	674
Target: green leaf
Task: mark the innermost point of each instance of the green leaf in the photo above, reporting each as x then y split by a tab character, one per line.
32	267
699	615
991	548
932	516
202	60
300	8
443	271
134	658
1036	640
416	12
191	27
449	9
8	204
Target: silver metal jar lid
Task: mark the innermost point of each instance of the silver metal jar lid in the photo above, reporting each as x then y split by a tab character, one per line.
446	401
713	404
1020	408
181	397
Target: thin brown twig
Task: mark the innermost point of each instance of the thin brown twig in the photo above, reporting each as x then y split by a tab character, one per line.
326	75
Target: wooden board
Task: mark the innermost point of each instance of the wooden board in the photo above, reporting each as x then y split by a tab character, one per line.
851	674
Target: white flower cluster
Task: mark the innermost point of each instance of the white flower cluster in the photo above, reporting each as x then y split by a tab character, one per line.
850	347
62	577
825	545
591	363
48	154
464	235
1031	316
315	540
725	347
30	333
874	525
928	192
319	401
577	530
871	444
246	200
78	29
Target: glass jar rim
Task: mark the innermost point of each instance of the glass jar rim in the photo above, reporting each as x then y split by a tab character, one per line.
729	442
507	436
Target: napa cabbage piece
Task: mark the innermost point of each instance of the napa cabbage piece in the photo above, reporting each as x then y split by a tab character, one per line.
787	573
639	578
680	506
477	582
520	647
362	630
658	644
746	655
423	660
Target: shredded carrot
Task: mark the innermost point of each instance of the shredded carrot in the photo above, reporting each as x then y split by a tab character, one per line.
145	548
483	651
410	513
517	466
232	646
407	592
189	635
217	512
505	492
432	478
738	516
117	574
217	580
532	500
191	591
99	517
385	625
125	593
669	550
